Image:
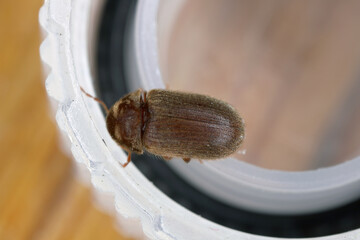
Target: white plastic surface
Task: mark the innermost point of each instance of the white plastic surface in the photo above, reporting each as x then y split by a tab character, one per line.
141	209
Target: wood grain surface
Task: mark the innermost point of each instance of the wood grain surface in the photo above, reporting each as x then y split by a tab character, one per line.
39	196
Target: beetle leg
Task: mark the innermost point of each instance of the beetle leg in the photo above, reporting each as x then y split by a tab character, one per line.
128	160
187	160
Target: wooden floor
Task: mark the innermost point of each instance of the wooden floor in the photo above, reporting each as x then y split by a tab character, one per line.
39	196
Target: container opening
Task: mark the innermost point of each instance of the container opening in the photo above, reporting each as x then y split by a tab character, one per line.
232	61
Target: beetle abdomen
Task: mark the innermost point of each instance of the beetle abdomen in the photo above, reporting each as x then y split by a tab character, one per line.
191	126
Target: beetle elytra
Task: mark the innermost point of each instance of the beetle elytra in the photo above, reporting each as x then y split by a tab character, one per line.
174	124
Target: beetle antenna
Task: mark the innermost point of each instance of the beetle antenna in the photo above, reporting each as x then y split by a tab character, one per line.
96	99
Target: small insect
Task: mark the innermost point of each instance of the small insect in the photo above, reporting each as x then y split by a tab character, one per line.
174	124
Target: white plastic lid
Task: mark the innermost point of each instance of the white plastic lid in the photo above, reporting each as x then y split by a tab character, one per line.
139	206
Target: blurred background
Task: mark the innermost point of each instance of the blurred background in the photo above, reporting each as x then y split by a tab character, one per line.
39	195
291	69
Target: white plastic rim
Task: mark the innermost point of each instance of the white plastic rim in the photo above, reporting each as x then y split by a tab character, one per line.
141	209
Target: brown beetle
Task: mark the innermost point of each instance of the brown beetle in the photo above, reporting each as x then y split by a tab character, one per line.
174	124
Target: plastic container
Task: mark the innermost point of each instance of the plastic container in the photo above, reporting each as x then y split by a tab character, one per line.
141	209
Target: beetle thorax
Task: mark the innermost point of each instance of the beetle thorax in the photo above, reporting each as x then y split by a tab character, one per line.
124	123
